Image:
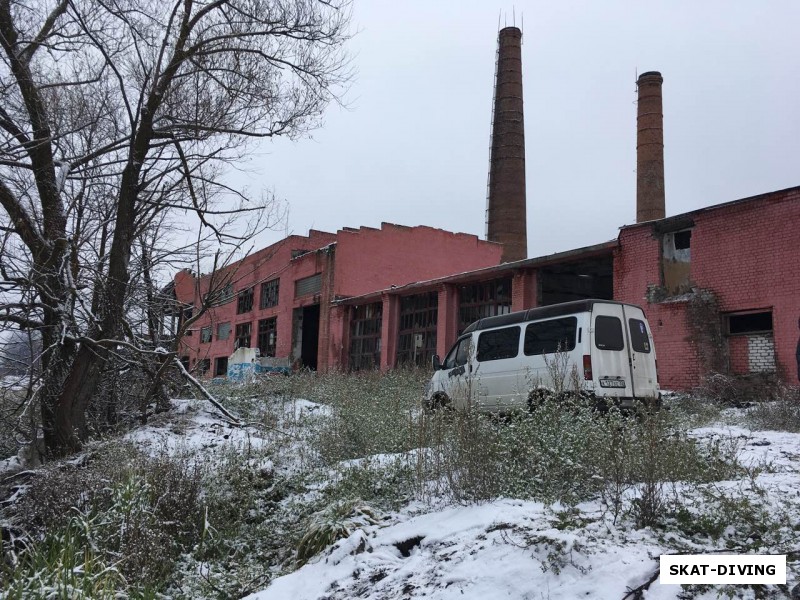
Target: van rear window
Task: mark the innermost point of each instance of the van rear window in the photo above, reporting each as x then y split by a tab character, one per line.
547	337
498	344
640	342
608	333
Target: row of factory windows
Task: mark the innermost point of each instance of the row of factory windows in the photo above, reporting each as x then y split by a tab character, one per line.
269	297
416	342
270	293
419	314
266	339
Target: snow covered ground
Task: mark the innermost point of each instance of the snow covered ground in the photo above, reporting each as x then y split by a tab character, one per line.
525	550
516	549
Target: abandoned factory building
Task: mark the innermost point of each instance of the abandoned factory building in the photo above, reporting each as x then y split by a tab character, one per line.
719	285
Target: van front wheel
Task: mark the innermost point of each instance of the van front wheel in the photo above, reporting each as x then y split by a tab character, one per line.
438	401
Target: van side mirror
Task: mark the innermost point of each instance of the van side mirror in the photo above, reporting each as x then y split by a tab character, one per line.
437	363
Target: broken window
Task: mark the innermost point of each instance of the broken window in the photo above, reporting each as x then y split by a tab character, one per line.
485	299
243	334
204	366
751	346
269	293
365	336
416	342
223	331
185	316
244	302
227	293
676	258
754	322
221	366
205	335
267	336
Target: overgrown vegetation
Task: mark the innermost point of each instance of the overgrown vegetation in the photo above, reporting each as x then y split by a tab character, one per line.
329	455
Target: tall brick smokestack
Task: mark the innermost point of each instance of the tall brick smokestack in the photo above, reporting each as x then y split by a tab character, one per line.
505	218
650	204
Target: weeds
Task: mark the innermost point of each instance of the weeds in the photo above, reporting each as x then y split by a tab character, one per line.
781	414
222	522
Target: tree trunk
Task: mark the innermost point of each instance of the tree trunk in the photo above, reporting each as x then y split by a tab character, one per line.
60	435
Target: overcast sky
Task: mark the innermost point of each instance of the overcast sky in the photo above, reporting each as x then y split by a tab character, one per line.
413	147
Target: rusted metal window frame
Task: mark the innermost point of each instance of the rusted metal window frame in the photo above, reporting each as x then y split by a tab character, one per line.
240	335
483	299
244	301
366	326
419	315
269	293
265	327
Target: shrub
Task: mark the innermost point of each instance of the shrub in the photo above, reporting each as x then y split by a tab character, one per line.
566	451
333	523
782	414
739	518
137	512
63	565
372	413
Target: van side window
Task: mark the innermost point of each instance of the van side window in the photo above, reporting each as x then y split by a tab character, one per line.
458	355
498	344
639	339
547	337
608	333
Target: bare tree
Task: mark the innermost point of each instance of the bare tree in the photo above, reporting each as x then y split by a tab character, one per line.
118	117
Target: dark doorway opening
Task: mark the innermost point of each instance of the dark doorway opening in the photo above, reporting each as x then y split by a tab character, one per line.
310	344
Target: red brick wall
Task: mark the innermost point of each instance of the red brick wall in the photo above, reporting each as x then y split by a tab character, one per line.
746	252
739	360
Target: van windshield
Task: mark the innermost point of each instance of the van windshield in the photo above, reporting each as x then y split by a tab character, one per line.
459	354
608	333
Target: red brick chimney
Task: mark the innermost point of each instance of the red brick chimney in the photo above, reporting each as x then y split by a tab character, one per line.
505	214
650	203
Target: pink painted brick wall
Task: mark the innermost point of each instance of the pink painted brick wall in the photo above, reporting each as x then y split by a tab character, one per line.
362	261
368	259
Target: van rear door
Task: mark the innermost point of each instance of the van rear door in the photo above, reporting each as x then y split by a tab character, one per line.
643	359
611	361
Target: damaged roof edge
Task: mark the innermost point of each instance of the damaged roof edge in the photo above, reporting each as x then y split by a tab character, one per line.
510	267
688	215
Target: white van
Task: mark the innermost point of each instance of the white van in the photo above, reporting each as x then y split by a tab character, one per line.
502	363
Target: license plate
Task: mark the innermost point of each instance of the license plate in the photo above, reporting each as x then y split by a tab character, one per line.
612	383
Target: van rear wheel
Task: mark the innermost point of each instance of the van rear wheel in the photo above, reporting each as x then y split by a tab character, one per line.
537	397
